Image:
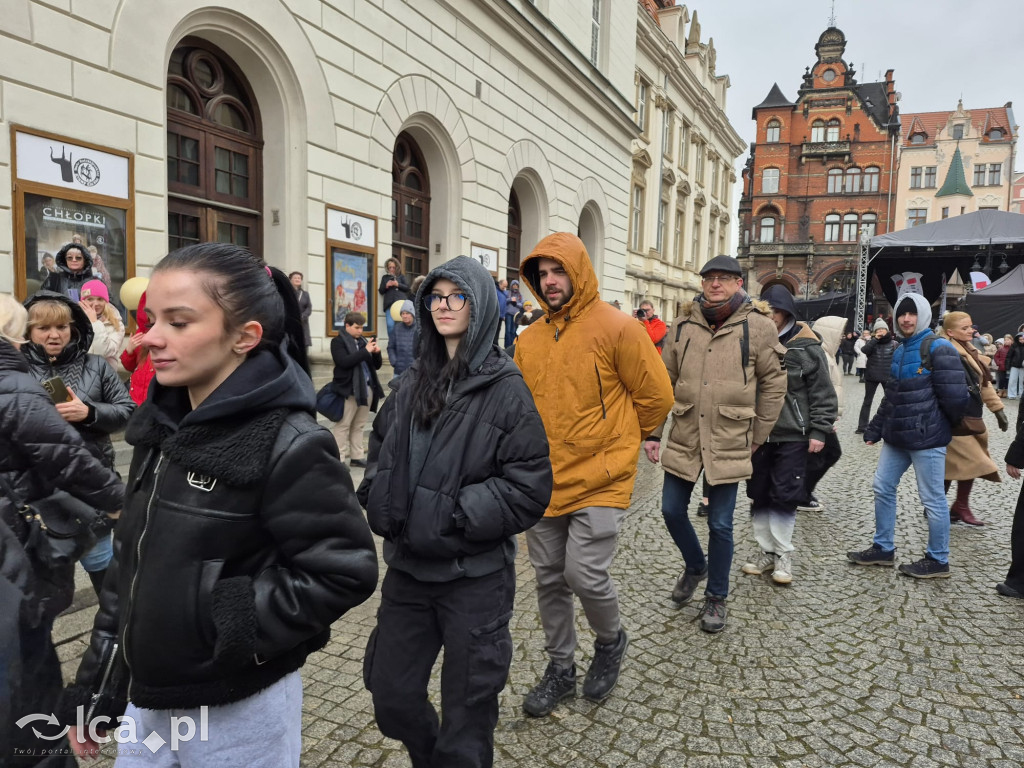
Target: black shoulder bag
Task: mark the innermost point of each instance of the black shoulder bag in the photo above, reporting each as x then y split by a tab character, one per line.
56	529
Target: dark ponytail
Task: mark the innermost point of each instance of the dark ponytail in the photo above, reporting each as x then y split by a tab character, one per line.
246	289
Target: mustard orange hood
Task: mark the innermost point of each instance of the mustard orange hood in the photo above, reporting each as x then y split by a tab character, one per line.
569	251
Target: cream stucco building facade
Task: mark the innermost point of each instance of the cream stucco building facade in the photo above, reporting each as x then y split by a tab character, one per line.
331	135
682	162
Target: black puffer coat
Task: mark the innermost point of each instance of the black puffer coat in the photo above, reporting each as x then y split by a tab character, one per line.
241	542
486	474
879	353
64	281
40	452
90	377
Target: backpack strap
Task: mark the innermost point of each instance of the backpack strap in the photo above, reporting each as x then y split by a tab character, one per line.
926	352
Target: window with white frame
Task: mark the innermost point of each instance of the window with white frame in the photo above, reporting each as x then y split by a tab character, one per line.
818	131
767	229
595	31
915	177
684	145
699	169
868	224
666	132
641	105
979	175
680	232
916	216
636	218
930	176
714	175
832	130
770	181
835	181
871	179
662	227
851	228
695	239
773	131
832	221
853	180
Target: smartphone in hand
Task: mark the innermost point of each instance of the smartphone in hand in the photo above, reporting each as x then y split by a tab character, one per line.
57	389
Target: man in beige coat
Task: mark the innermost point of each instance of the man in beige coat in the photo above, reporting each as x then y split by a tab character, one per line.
724	360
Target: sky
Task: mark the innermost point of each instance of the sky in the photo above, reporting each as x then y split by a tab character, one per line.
940	50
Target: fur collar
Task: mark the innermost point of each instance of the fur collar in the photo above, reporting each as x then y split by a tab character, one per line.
235	450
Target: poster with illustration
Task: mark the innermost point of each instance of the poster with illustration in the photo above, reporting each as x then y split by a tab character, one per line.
52	222
351	282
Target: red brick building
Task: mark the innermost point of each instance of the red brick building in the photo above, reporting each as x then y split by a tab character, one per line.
820	173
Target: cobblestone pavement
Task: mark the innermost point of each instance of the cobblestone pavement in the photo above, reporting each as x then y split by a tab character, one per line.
848	666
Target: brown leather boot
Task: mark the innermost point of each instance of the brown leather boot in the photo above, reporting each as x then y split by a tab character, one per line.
960	506
954	515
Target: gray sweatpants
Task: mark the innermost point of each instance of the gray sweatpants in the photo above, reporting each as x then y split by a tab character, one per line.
262	731
571	554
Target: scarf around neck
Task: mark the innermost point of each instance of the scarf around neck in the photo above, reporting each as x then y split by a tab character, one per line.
717	313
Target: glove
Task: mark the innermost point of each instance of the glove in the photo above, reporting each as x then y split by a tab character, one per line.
1004	423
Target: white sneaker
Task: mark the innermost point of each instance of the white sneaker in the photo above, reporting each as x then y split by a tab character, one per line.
764	563
783	573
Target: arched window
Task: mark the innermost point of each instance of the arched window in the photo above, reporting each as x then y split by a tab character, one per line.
853	179
832	228
214	157
770	181
871	179
515	236
817	131
410	206
867	224
767	229
917	138
832	131
850	228
772	132
835	181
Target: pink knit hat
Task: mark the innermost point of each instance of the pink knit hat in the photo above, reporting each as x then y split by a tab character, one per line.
95	288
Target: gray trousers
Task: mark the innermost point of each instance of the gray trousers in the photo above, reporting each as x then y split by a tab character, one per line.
262	731
571	554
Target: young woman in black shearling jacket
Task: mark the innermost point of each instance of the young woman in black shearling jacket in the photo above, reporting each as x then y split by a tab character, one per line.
241	539
458	465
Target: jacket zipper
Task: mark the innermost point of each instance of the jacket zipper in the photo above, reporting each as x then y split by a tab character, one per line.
600	392
138	566
103	683
799	415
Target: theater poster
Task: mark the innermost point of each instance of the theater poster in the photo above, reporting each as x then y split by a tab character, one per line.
67	191
351	269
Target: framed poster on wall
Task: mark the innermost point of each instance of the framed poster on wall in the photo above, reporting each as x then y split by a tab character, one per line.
68	191
485	255
351	269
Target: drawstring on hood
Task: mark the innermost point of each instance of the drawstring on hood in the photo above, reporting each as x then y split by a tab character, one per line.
476	282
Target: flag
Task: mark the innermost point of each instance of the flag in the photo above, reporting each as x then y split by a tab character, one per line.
980	280
908	282
942	300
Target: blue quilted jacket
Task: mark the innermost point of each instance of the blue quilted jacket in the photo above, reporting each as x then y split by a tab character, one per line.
920	406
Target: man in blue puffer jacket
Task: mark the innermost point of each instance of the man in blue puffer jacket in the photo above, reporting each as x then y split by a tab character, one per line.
915	422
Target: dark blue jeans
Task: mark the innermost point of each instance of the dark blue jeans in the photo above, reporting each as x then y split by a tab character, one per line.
675	498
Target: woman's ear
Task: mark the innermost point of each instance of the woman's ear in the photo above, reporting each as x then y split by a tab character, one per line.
249	337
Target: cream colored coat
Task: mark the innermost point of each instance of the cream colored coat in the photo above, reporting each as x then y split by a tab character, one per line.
967	455
721	408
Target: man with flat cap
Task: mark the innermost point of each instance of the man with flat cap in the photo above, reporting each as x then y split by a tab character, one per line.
724	360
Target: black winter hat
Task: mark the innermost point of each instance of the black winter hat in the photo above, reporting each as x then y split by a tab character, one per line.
779	297
722	263
905	305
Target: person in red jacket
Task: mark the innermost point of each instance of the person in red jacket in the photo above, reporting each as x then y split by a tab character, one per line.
655	326
135	357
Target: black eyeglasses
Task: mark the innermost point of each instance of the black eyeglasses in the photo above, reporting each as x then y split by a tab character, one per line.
455	301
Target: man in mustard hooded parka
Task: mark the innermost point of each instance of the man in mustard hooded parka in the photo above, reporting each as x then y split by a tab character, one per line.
600	387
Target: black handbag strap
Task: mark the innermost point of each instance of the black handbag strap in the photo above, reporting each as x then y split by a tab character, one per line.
10	494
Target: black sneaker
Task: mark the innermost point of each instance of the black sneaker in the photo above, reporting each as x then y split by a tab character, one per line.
358	463
702	510
873	555
1006	590
686	585
926	568
604	669
558	683
811	506
713	614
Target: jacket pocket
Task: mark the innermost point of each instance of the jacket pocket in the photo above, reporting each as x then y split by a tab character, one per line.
209	575
733	430
489	658
591	454
678	432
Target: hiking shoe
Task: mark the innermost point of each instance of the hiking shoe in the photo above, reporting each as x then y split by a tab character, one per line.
764	563
783	573
712	614
604	669
1006	590
873	555
684	588
926	568
702	510
558	683
811	506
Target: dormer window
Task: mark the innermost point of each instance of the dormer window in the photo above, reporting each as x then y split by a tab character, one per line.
958	131
918	138
995	134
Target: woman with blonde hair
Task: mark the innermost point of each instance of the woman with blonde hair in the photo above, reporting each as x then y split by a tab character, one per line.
107	328
967	457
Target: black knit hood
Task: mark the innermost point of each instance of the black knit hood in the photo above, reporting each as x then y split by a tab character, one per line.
472	278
